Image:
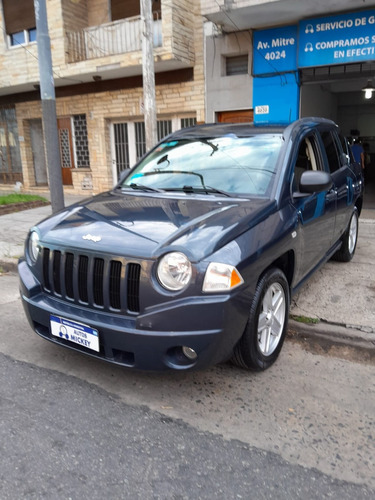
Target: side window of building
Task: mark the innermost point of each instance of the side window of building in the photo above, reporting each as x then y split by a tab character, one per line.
188	122
81	142
332	151
164	127
237	65
129	140
19	20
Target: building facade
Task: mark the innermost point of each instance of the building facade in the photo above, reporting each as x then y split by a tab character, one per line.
278	60
97	70
215	60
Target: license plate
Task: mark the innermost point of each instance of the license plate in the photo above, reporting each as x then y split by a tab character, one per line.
75	332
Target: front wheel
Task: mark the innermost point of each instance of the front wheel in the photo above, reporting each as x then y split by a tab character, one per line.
349	240
265	332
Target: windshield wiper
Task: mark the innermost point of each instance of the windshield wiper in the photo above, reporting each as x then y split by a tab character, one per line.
210	189
199	189
141	187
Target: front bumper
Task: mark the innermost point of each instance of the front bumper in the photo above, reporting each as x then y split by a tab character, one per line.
211	325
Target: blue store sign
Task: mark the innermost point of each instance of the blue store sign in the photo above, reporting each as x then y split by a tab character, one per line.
341	39
325	41
275	50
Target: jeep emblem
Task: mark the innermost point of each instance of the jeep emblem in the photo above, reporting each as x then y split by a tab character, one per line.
90	237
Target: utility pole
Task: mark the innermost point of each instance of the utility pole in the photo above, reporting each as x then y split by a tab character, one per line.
148	71
48	97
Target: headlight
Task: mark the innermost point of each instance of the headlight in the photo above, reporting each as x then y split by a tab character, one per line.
221	277
174	271
33	246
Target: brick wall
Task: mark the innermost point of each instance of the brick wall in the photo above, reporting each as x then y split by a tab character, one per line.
182	43
180	26
101	110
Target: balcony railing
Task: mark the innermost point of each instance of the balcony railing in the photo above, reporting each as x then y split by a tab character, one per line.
108	39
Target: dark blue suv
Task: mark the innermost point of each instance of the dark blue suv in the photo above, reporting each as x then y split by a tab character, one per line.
193	257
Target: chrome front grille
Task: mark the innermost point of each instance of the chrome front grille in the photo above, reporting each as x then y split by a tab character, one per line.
111	285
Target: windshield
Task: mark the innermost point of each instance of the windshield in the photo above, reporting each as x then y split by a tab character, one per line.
230	164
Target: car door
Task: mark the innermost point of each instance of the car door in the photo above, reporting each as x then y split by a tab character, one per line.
342	179
316	212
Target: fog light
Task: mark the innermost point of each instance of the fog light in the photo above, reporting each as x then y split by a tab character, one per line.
189	353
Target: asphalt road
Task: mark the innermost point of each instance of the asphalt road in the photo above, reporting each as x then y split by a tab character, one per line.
73	427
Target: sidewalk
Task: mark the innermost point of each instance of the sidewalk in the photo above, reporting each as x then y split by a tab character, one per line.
15	226
340	295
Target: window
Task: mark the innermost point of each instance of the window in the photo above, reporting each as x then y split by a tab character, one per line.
121	143
233	164
333	155
306	160
81	142
32	34
22	37
140	139
129	140
237	65
188	122
19	20
346	147
164	128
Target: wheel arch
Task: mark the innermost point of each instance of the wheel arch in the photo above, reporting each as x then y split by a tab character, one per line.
286	263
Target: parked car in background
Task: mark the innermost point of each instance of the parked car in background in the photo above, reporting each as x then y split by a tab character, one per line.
194	255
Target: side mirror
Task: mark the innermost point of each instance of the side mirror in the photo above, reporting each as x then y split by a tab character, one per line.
314	181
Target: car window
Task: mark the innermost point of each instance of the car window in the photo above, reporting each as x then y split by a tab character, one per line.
346	147
306	160
332	151
237	165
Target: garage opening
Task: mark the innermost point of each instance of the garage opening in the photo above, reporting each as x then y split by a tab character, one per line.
336	92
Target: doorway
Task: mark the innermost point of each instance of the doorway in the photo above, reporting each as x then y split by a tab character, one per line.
37	148
242	116
64	126
335	92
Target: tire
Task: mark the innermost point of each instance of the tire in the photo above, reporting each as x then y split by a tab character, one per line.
349	240
265	331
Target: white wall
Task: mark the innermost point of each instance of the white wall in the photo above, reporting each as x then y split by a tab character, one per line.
317	100
356	112
226	93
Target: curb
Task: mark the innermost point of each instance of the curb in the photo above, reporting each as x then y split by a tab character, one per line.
325	337
9	265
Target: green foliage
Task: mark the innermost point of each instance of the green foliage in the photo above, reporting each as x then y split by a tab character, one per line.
10	199
305	319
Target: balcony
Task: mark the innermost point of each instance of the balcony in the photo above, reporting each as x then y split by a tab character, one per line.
118	37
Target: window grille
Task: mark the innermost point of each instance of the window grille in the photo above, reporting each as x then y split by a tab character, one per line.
237	65
140	139
81	141
164	128
121	146
188	122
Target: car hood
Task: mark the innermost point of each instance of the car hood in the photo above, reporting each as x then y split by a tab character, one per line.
146	226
